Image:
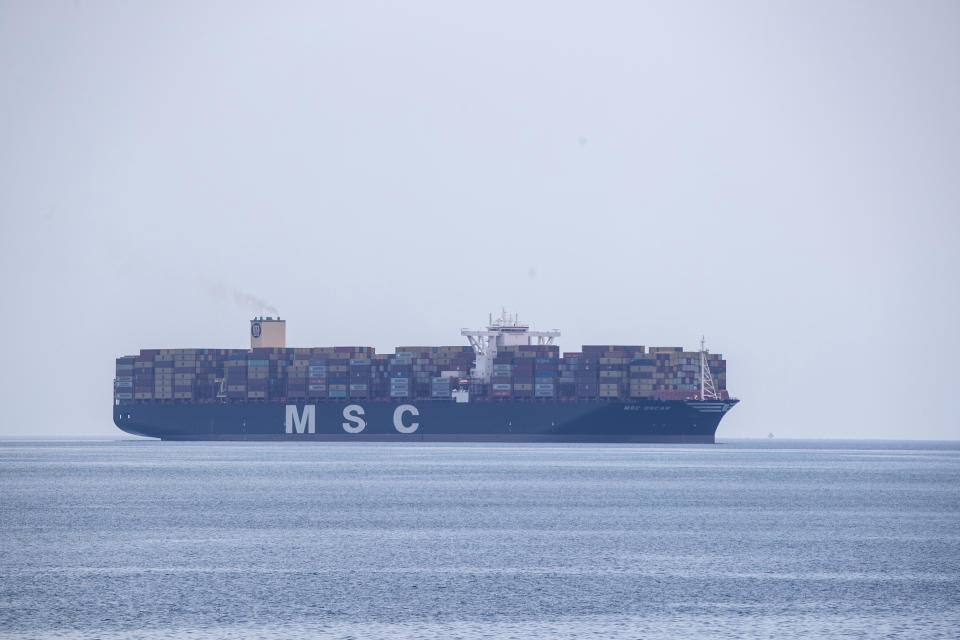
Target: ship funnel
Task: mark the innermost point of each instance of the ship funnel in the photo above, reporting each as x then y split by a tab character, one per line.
267	331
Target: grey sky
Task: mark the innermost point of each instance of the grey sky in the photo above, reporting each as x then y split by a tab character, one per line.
782	177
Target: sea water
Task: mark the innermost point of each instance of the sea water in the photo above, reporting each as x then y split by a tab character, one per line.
770	539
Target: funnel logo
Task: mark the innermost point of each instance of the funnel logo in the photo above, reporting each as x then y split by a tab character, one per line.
256	330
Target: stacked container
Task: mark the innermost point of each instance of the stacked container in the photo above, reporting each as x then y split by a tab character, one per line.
501	382
602	371
534	372
143	380
360	369
585	372
338	372
258	371
440	387
124	380
163	375
640	377
235	374
318	371
184	373
545	376
297	375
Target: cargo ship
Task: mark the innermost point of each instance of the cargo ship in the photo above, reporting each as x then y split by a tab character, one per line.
508	384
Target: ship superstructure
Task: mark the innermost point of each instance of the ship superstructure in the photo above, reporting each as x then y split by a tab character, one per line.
506	331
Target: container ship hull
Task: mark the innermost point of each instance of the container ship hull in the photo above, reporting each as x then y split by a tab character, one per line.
677	421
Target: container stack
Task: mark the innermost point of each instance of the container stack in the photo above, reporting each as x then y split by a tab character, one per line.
523	380
599	371
501	382
424	372
318	371
235	373
718	368
297	375
123	383
379	376
440	387
143	384
677	374
585	373
418	372
400	372
163	375
360	370
338	367
272	363
479	390
546	371
205	382
640	377
184	373
524	372
258	371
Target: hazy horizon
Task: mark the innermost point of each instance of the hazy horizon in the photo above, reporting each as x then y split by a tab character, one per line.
781	178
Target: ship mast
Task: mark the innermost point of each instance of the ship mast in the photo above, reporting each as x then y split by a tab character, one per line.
707	388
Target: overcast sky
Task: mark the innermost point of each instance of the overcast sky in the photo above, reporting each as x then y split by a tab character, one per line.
781	177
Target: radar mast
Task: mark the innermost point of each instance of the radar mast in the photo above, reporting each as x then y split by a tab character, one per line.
707	389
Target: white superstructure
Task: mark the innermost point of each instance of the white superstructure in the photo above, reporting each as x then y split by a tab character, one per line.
507	330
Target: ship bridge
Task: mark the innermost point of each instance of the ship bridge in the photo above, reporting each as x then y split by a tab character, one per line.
505	331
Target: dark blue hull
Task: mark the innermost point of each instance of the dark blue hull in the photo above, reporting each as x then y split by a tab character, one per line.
429	420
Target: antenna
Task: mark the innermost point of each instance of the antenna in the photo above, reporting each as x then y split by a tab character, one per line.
707	388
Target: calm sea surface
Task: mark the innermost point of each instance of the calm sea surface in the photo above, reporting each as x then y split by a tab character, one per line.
762	539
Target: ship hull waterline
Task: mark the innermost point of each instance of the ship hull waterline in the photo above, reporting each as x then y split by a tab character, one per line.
358	420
